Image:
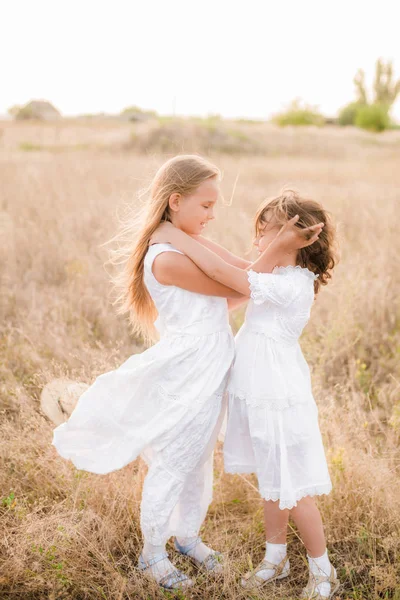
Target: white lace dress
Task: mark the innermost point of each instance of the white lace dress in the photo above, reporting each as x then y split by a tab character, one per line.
165	404
272	427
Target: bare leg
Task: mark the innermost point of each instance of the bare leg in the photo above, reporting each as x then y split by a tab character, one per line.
276	522
309	523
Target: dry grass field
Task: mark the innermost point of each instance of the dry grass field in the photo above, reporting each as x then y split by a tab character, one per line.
71	534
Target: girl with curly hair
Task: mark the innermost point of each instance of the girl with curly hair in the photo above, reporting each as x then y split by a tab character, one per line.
273	425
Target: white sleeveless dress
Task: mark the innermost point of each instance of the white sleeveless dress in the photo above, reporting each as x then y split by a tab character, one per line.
272	426
165	405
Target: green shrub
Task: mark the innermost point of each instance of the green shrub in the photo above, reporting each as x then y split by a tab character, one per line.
347	115
299	114
373	117
137	110
24	113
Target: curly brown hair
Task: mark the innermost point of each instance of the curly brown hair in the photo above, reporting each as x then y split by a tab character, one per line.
322	256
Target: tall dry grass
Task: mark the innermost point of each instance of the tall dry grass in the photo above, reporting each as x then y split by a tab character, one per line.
71	534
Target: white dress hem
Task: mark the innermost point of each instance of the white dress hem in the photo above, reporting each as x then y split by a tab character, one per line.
274	495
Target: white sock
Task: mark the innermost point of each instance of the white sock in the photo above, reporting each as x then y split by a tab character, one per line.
162	567
321	566
200	550
274	554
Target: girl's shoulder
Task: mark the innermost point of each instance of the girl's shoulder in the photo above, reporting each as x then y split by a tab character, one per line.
156	249
153	251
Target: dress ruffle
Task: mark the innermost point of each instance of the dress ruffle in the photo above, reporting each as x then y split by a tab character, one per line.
148	401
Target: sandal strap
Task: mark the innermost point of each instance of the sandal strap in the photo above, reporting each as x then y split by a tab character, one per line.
172	578
212	560
189	547
265	564
146	564
324	578
315	580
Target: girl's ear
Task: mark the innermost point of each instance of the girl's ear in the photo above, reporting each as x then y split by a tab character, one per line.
174	202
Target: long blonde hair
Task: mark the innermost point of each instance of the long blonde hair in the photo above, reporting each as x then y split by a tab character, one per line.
182	174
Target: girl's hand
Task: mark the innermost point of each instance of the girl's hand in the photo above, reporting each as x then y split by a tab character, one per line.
163	234
292	238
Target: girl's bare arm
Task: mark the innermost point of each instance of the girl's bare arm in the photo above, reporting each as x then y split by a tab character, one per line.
228	257
213	265
233	277
231	259
171	268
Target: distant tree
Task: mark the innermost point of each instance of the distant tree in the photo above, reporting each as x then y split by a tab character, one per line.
374	115
359	82
386	89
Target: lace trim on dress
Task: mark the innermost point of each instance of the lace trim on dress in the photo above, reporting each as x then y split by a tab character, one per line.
281	291
255	292
271	402
304	270
315	490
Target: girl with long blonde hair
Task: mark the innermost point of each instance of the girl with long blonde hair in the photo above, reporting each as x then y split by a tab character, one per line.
166	404
272	417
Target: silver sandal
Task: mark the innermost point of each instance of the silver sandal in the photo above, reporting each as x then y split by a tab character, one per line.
213	563
174	580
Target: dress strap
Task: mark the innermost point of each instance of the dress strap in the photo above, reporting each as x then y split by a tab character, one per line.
157	249
154	251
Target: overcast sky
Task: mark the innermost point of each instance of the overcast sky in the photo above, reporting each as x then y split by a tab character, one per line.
246	58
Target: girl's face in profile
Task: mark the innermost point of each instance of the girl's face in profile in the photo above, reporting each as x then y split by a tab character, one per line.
269	229
192	213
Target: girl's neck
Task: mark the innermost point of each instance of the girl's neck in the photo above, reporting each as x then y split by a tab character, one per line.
175	221
288	260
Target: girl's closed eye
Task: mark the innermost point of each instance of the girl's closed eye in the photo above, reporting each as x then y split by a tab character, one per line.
209	211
